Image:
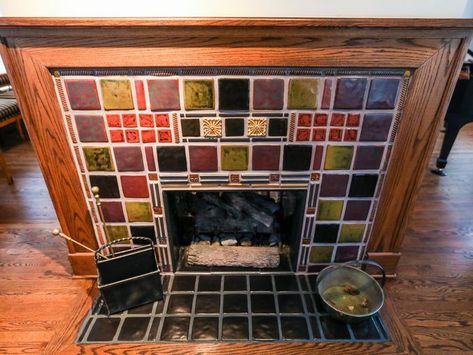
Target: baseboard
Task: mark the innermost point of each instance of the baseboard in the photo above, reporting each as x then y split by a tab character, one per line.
83	265
387	260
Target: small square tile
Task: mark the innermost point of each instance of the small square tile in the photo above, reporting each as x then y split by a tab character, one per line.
199	94
107	184
319	134
234	157
329	210
82	94
143	231
207	303
286	283
149	151
265	327
184	283
304	120
320	119
363	185
212	127
114	121
376	127
346	253
162	120
146	120
326	233
190	127
357	210
335	135
134	329
338	119
334	185
148	136
235	328
302	94
266	157
140	94
277	127
368	157
164	94
113	211
338	157
235	283
268	94
139	211
98	159
91	128
165	136
128	158
175	328
303	134
235	303
172	159
210	283
132	136
104	329
327	95
382	94
353	120
129	120
134	186
294	328
117	136
234	127
319	150
350	93
233	94
180	304
352	233
321	254
350	135
257	127
116	94
261	283
263	303
205	328
203	158
297	157
117	232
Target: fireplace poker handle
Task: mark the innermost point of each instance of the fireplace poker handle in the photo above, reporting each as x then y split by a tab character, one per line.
57	232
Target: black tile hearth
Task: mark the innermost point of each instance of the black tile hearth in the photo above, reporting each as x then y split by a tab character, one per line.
223	307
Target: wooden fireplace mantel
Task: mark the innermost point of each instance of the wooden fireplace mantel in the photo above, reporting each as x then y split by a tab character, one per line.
433	49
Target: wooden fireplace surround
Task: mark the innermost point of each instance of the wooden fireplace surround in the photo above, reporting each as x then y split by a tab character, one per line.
433	49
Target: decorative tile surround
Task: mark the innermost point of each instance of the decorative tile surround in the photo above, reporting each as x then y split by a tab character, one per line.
137	133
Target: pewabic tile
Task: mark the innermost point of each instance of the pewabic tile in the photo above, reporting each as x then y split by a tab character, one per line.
368	157
234	127
376	127
98	159
346	253
143	231
334	185
190	127
164	94
107	184
327	95
329	210
321	254
199	94
277	127
266	157
117	231
297	157
138	211
302	94
233	94
212	127
203	158
363	185
326	233
134	186
357	210
82	94
140	95
234	157
172	159
352	233
128	158
91	128
382	94
113	211
116	94
338	157
268	94
350	93
257	127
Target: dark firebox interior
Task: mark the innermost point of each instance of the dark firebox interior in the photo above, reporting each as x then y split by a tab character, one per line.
231	217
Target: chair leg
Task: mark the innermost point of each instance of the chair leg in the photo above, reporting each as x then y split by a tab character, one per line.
19	127
5	168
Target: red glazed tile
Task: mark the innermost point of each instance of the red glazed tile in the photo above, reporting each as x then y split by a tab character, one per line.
129	120
320	119
128	158
203	158
318	134
266	157
116	135
82	94
268	94
113	211
338	119
148	136
350	135
318	157
134	186
114	121
153	176
353	120
162	120
132	136
140	95
164	94
303	134
304	120
165	136
335	134
327	95
149	151
91	128
146	120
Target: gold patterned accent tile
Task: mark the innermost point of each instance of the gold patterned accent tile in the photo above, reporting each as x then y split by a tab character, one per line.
257	127
212	127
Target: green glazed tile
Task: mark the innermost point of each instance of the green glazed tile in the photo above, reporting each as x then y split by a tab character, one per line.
321	254
139	212
98	159
352	233
117	232
199	94
234	157
338	157
116	94
302	93
329	210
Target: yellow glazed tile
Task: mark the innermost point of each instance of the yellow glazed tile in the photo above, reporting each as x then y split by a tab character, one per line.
116	94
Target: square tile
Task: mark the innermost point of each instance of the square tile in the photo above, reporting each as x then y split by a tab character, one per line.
320	119
199	94
180	304
235	283
352	233
277	127
234	157
268	94
321	254
353	120
338	157
357	210
143	231
91	128
117	232
234	127
376	127
326	233
257	127
303	134
207	303
368	157
212	127
114	120
128	158
184	283
134	329
235	328
329	210
164	136
113	211
104	329
205	328
350	93
261	283
132	136
117	136
235	303
107	184
297	157
304	120
162	120
335	135
327	95
263	303
148	136
382	94
116	94
203	158
363	185
334	185
294	328
129	120
338	119
346	253
164	94
140	94
265	327
319	134
190	127
139	211
172	159
333	329
134	186
266	157
302	94
233	94
82	94
98	159
210	283
350	135
286	283
146	120
175	328
290	303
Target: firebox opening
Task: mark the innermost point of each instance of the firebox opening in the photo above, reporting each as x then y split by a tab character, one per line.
234	229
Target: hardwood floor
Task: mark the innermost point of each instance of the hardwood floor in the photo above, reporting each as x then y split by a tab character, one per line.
41	305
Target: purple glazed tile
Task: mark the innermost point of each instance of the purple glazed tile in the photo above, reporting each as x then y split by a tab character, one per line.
334	185
134	186
203	158
266	157
346	253
327	95
357	210
382	94
149	151
128	158
164	94
91	128
376	127
113	211
350	93
82	94
368	157
268	94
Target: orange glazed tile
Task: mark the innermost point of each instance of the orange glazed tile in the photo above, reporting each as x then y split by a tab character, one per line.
116	135
165	136
320	119
303	134
353	120
148	136
318	134
350	135
140	94
114	121
304	120
162	120
129	120
132	136
335	134
146	120
338	119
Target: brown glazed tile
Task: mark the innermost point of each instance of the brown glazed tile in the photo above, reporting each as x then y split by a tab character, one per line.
376	127
334	185
82	94
268	94
164	94
203	158
350	93
266	157
107	184
113	211
368	157
382	94
128	158
91	128
346	253
357	210
172	159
